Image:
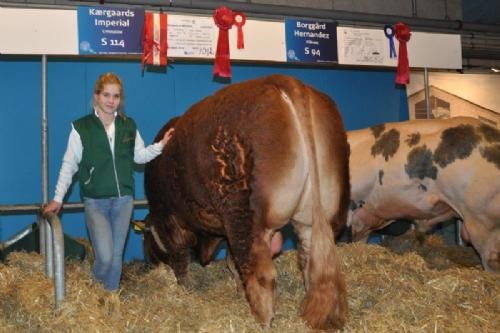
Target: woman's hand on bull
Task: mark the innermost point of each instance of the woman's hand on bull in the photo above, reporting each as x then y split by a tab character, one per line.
167	136
52	207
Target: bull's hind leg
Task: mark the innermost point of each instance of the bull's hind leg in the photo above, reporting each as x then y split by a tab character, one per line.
252	257
303	233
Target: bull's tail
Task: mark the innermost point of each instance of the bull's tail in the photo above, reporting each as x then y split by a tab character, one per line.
325	304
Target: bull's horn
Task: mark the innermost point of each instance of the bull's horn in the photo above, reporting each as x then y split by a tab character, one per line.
139	225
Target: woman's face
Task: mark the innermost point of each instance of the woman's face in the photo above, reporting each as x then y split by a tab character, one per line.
108	100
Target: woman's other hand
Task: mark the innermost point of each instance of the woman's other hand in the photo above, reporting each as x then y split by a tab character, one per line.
52	207
167	136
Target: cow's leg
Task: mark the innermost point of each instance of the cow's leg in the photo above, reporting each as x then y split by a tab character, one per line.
485	240
253	260
491	260
424	226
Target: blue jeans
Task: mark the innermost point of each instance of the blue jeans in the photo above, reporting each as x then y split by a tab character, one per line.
108	224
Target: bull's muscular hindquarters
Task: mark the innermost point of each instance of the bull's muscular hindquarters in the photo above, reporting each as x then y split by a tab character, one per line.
242	164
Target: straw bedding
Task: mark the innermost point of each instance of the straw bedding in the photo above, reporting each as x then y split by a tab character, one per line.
401	286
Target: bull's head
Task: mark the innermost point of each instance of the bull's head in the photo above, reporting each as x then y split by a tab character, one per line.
155	250
165	241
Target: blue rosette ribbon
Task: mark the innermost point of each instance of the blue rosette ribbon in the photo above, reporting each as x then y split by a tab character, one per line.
389	33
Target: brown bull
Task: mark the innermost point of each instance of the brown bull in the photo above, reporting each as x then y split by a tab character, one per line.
243	163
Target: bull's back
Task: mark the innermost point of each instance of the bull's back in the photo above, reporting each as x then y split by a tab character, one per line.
256	141
229	146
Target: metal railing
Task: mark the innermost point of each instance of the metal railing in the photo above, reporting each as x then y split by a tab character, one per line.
52	249
51	239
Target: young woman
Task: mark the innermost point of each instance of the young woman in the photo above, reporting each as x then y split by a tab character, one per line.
102	149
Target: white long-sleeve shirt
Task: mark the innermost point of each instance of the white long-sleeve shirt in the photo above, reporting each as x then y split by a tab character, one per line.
73	156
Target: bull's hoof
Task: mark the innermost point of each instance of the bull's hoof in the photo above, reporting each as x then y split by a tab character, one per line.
260	296
266	320
185	281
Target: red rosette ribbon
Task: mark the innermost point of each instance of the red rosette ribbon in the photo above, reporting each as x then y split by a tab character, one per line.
403	36
239	22
154	40
224	19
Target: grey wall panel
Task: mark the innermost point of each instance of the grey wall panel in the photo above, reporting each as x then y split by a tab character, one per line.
385	7
482	11
442	10
455	9
318	4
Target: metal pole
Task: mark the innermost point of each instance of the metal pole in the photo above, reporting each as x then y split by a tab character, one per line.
16	237
427	97
458	223
43	227
414	8
458	226
35	208
57	257
54	257
45	173
49	254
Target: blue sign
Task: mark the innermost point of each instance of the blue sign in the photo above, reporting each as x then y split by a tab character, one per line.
106	30
311	41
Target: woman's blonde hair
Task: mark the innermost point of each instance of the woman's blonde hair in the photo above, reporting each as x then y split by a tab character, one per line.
110	78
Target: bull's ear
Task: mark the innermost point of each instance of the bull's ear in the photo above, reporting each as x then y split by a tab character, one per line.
139	225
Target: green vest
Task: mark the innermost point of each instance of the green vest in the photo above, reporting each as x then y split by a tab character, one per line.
100	175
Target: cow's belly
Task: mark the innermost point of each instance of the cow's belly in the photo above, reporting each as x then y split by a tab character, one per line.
474	186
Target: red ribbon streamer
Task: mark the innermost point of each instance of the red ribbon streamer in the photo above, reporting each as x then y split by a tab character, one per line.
224	19
403	36
154	40
239	22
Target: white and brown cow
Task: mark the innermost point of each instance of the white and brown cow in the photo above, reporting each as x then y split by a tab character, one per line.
243	163
429	171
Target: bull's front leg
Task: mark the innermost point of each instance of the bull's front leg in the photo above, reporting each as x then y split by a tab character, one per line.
179	262
179	244
275	248
236	275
